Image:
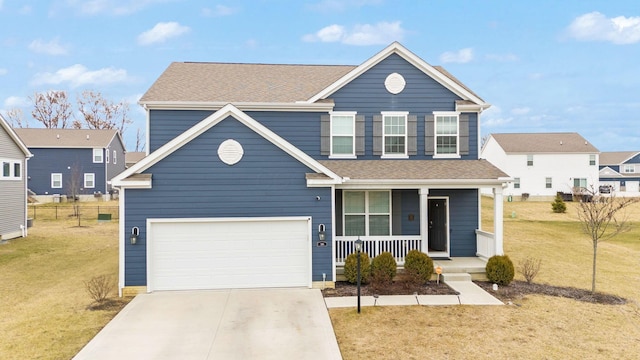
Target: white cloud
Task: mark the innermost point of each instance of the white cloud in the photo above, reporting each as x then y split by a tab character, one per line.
461	56
381	33
112	7
161	32
520	111
78	75
502	57
3	71
52	47
218	11
595	26
16	102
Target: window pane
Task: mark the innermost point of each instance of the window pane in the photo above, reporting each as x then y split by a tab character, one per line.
394	144
394	125
342	145
16	170
342	125
447	125
6	169
379	225
379	202
446	145
354	225
354	202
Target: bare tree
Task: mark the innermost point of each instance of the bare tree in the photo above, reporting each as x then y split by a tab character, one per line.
52	109
100	113
16	118
139	144
602	218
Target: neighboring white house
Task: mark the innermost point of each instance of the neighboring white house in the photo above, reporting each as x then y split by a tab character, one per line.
543	164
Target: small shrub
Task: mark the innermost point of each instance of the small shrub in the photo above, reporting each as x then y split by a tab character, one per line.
383	270
500	270
529	269
418	267
558	206
99	287
351	268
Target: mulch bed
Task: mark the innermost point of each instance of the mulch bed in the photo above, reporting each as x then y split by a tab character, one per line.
344	288
519	289
108	304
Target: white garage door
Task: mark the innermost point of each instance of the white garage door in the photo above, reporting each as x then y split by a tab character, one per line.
189	254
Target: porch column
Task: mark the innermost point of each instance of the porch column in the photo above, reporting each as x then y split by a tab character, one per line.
498	206
424	219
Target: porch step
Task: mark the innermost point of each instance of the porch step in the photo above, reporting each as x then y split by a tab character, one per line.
447	277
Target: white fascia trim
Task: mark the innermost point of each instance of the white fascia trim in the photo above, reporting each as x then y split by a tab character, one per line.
472	107
416	61
129	184
614	173
243	106
121	241
432	184
322	183
210	121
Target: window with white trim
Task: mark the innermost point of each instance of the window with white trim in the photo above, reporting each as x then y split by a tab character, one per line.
516	183
592	159
106	156
446	133
367	213
89	180
56	181
394	134
11	169
97	155
548	183
529	160
580	183
629	169
343	134
115	160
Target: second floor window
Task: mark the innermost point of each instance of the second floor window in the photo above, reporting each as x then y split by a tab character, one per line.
446	133
97	155
592	159
394	132
529	160
343	134
629	169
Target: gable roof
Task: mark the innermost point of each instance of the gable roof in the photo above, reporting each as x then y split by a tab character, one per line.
616	157
196	83
131	177
15	137
540	143
67	138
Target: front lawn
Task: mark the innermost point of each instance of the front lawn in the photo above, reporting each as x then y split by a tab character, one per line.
535	326
43	301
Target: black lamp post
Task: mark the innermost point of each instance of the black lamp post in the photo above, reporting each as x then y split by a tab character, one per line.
358	244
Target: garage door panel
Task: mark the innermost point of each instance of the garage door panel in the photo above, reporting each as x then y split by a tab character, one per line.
229	254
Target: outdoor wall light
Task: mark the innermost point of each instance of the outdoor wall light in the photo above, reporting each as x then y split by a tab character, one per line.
133	238
321	233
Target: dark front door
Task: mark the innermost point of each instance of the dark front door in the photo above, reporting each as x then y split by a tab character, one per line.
438	225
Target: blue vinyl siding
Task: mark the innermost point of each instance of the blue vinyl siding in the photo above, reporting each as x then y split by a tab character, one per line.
421	96
167	124
410	205
463	218
634	160
193	183
47	161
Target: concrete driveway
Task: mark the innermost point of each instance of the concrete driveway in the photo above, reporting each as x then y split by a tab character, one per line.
219	324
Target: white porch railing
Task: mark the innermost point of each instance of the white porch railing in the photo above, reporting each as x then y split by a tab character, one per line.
398	246
485	244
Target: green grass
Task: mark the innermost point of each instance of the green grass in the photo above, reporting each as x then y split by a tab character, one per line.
538	327
44	304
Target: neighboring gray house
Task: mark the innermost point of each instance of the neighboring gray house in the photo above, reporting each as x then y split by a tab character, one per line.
70	162
620	172
265	175
13	178
133	157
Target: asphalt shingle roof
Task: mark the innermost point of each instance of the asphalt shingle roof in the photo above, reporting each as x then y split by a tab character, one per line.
552	143
615	157
65	138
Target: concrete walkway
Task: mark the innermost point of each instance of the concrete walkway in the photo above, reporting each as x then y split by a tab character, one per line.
469	294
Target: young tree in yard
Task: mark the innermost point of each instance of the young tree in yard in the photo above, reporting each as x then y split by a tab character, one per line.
100	113
52	109
602	218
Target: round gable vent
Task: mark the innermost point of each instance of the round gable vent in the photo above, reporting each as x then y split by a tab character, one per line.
394	83
230	152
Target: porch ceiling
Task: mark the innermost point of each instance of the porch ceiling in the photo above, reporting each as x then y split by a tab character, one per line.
480	170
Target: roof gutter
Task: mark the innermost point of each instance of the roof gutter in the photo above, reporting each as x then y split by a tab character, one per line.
243	106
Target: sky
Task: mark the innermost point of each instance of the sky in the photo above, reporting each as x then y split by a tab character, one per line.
544	66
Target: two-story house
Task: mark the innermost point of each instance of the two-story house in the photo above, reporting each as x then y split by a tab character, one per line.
543	164
73	162
264	175
620	172
13	178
